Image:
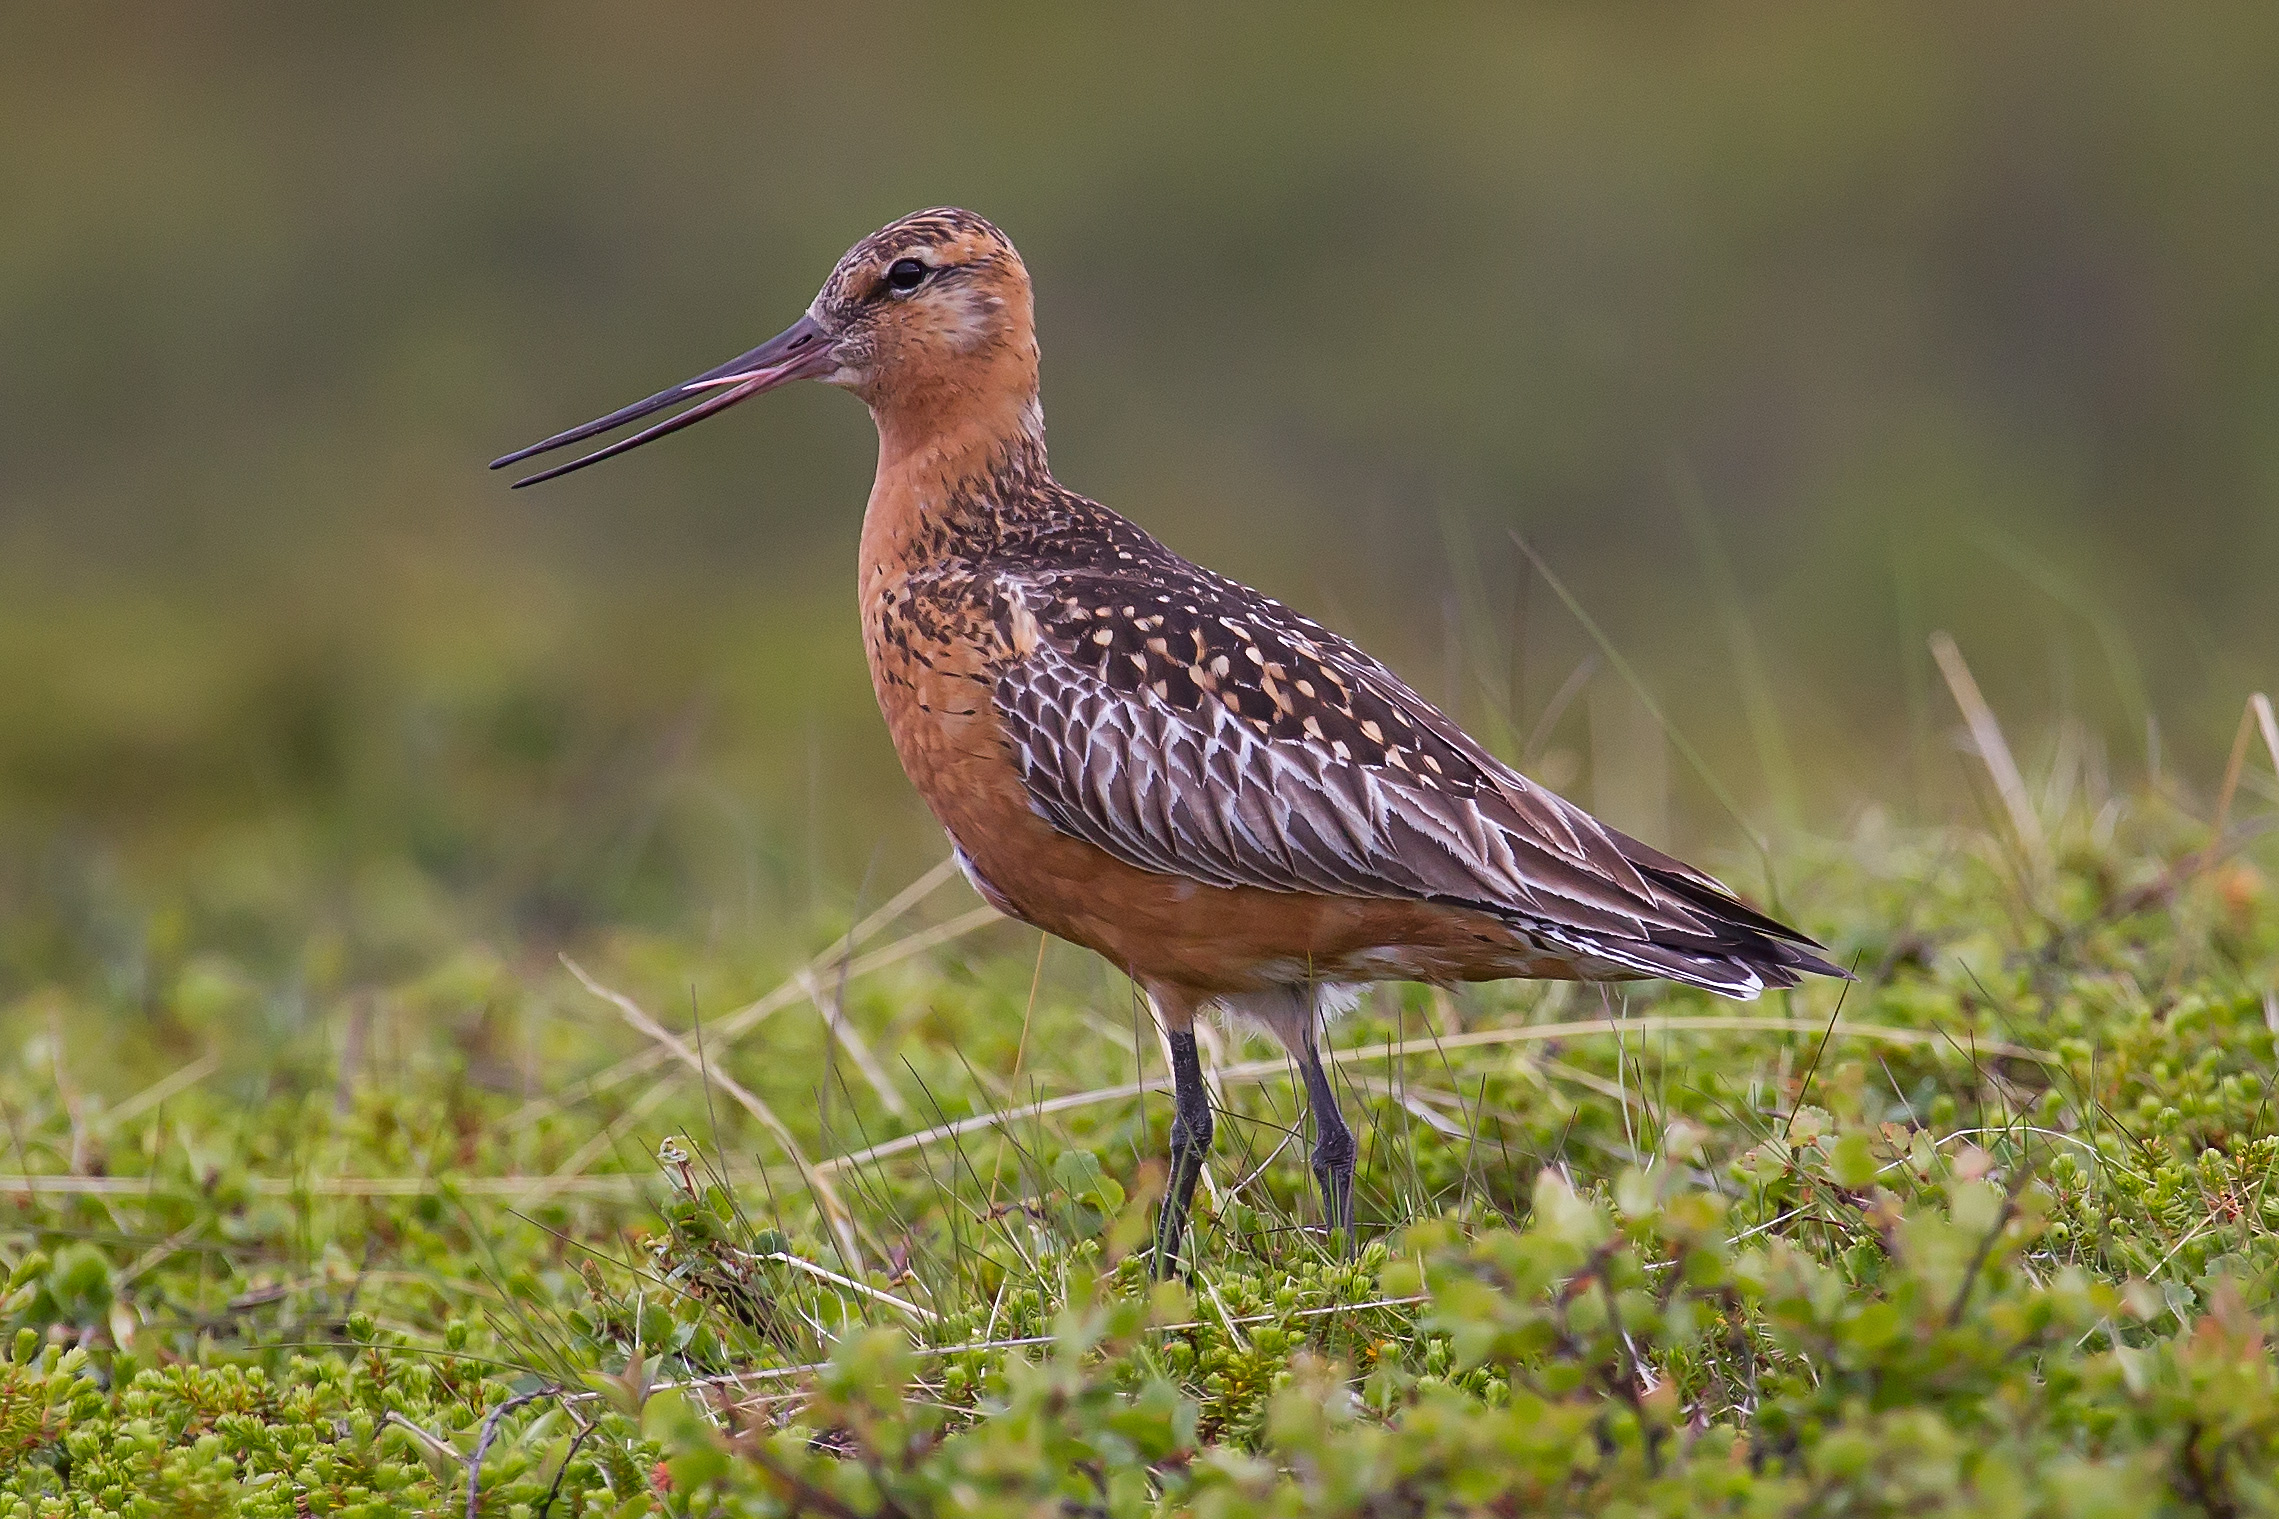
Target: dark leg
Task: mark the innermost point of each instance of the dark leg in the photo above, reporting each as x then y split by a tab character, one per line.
1334	1150
1190	1142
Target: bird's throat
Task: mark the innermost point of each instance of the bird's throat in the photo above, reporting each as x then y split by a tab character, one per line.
949	480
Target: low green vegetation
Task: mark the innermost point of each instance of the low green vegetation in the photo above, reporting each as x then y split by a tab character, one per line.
1988	1232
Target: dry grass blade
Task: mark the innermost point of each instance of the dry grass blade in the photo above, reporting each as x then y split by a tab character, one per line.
842	1221
435	1445
1994	750
748	1017
1414	1105
1757	705
745	1018
2256	715
1677	740
159	1252
1599	1084
159	1091
67	1090
839	1027
1674	1023
820	1273
997	1118
352	1054
925	939
596	1146
2224	841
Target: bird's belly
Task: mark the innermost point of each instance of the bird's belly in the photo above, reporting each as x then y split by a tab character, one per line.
1158	927
1152	925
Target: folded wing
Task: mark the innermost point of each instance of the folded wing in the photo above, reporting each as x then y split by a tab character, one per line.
1190	726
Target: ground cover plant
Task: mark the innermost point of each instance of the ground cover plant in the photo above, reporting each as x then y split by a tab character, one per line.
653	1228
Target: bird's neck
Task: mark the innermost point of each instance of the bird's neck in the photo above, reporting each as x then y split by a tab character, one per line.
951	479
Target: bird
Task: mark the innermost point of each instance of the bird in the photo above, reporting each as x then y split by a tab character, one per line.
1239	809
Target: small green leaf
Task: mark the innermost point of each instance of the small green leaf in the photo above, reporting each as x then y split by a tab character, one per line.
1852	1163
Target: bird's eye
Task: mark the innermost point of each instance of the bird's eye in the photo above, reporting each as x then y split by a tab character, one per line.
905	275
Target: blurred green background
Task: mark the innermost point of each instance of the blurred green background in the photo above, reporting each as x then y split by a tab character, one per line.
1800	329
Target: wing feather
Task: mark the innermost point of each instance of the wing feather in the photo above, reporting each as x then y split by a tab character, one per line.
1288	760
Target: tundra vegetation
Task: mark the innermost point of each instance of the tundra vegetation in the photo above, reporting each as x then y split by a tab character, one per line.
626	1231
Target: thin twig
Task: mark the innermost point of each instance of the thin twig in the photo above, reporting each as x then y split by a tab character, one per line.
1986	1245
546	1504
434	1444
490	1433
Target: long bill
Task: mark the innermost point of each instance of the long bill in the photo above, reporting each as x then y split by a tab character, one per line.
799	352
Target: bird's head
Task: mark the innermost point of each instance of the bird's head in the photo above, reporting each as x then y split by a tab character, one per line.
932	305
929	319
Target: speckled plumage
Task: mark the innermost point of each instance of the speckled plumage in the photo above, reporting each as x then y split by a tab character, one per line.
1233	804
1192	728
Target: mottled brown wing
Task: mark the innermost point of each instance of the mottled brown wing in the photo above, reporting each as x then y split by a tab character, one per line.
1190	726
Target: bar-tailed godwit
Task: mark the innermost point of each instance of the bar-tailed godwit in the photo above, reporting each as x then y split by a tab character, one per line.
1237	807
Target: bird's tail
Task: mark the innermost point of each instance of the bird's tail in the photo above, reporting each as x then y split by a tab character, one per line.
1737	952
